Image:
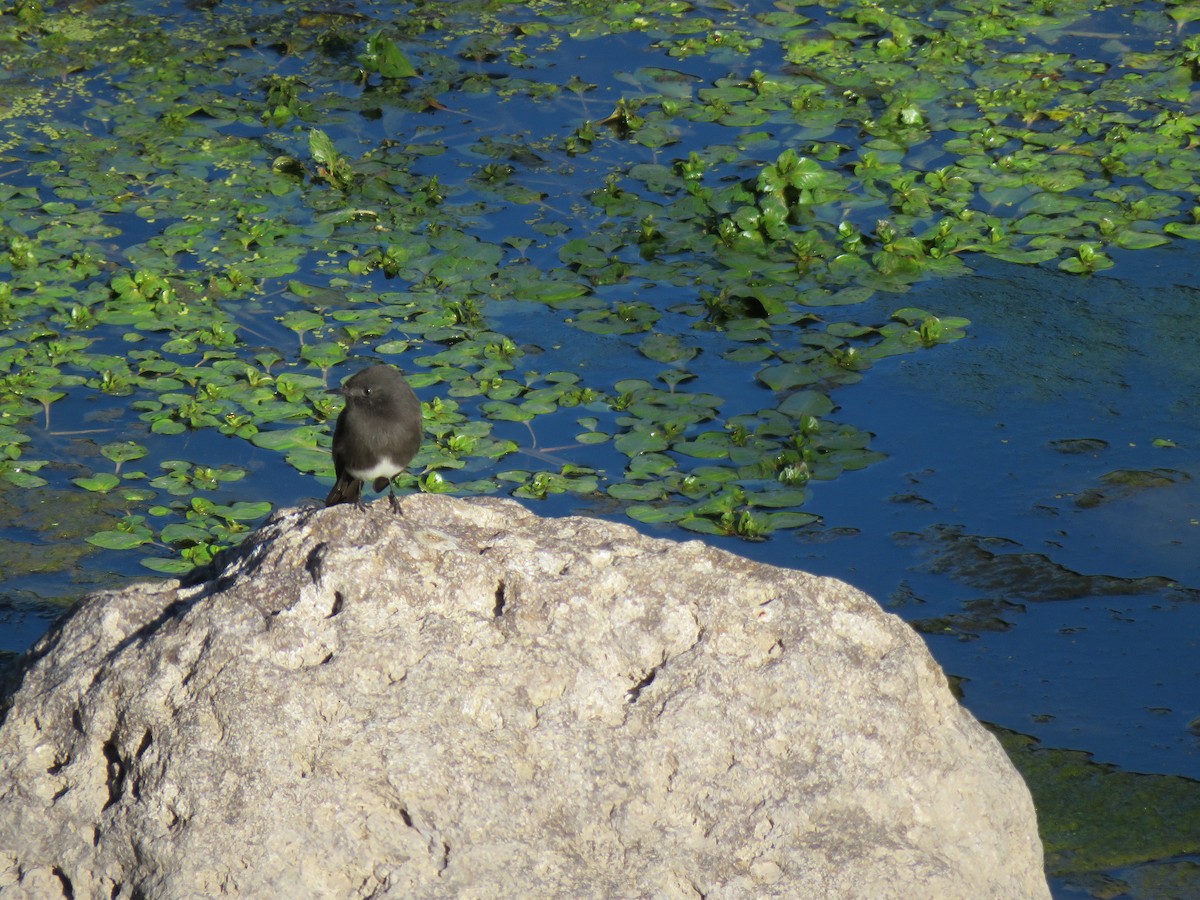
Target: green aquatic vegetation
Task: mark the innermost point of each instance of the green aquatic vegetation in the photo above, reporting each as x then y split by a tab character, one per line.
383	57
1095	819
15	468
733	512
331	166
677	269
128	533
207	528
1121	483
538	485
182	478
1087	259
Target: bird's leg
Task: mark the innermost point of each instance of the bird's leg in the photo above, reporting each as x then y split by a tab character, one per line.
392	501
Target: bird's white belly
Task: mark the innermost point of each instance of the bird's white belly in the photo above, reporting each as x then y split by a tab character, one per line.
385	468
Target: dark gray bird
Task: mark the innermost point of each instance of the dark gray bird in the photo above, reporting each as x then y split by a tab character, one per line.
376	435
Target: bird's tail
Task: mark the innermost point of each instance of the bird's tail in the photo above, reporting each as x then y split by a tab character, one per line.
345	490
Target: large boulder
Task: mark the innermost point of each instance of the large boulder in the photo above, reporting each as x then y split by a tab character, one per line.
471	701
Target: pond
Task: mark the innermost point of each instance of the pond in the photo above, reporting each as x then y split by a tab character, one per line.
903	294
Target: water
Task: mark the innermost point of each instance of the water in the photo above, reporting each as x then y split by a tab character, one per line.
1100	656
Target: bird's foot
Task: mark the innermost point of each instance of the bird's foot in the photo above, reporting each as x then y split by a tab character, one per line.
394	503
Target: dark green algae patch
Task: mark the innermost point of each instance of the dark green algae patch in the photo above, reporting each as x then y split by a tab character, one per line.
1108	833
627	252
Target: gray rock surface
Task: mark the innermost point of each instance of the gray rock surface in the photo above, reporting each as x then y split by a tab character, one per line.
471	701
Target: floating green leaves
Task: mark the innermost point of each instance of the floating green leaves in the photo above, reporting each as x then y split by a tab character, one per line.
121	452
332	167
384	57
732	513
1087	259
668	275
102	482
130	532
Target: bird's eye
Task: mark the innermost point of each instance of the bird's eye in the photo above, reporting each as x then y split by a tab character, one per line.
366	392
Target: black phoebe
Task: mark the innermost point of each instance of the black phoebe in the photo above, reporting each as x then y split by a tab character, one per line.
376	435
